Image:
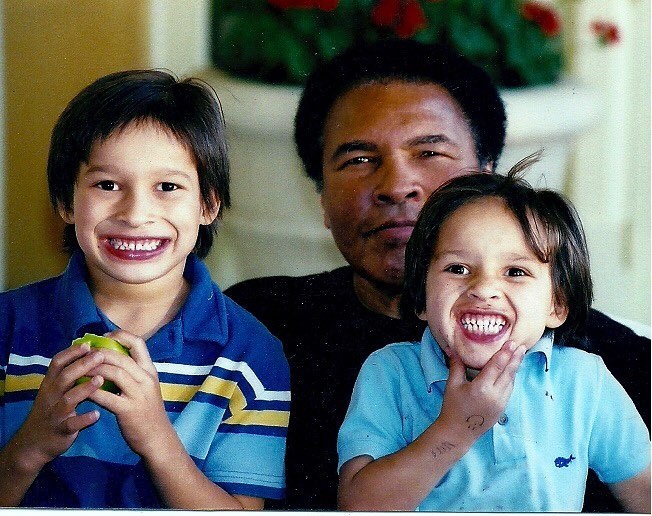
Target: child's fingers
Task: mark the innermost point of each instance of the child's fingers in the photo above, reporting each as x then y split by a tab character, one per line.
76	365
137	349
109	401
456	369
121	376
75	423
66	357
497	363
70	399
506	379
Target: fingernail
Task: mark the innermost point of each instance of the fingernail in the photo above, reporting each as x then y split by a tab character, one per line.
97	381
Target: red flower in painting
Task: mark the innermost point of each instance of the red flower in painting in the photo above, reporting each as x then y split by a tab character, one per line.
544	16
406	17
324	5
607	32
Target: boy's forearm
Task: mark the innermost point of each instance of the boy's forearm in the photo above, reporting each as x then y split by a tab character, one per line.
18	470
402	480
182	485
634	494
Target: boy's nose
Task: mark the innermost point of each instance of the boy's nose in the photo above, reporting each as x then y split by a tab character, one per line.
135	211
397	183
484	289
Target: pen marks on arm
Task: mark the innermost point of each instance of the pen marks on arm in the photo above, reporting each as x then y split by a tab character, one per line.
441	449
474	422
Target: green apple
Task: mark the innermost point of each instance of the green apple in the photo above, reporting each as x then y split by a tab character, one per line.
99	342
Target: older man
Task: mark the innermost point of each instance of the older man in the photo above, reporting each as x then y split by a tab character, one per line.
378	129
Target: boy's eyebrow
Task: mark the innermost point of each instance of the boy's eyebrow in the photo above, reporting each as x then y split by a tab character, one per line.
104	168
511	257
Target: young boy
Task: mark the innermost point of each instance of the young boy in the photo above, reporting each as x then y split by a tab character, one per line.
138	170
498	270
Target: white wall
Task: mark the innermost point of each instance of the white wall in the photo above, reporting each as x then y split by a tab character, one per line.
179	35
611	176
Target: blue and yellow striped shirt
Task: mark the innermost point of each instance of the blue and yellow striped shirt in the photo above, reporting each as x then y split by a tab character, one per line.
223	376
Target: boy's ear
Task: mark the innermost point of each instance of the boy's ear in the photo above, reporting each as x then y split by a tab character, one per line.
557	316
68	216
422	315
209	214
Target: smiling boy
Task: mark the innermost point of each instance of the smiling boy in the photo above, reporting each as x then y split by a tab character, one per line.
138	171
485	414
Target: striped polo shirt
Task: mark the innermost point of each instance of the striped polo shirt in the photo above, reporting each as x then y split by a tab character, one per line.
223	376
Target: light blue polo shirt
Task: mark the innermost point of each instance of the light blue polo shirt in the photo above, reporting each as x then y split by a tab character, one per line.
567	413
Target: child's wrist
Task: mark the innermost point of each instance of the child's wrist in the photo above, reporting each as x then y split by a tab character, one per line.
457	432
25	461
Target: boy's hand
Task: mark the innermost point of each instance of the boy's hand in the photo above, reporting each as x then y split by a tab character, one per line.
475	406
139	407
53	424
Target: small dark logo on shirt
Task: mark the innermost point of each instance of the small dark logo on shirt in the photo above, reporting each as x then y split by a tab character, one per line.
561	462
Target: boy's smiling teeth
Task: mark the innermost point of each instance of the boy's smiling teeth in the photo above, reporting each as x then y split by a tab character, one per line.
122	244
483	324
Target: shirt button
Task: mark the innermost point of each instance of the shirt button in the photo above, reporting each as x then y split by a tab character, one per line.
502	420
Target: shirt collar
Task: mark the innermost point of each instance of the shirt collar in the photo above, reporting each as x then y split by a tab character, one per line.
202	317
434	365
432	360
543	348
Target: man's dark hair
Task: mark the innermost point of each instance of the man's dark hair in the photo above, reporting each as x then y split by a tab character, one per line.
551	226
406	61
188	109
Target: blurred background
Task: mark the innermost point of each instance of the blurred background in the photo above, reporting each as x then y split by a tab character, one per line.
50	49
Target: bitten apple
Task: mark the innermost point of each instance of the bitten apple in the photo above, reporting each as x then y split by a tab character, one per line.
100	342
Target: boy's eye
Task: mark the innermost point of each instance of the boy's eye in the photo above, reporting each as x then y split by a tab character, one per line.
168	187
107	185
516	271
457	269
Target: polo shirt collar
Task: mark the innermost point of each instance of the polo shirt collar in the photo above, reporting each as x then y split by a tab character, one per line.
433	361
202	317
543	348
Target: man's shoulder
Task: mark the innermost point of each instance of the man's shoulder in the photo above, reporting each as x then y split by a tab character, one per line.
278	295
603	329
276	286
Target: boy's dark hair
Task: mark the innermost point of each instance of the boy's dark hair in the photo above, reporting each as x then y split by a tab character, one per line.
189	109
551	226
404	61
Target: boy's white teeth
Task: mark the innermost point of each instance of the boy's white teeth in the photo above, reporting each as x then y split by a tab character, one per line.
135	245
483	324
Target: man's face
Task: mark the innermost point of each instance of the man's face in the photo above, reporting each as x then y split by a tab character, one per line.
386	148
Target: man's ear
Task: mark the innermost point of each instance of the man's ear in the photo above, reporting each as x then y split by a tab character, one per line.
422	315
210	213
68	215
327	222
